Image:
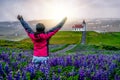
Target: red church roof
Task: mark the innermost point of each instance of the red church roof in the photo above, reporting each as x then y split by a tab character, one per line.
77	26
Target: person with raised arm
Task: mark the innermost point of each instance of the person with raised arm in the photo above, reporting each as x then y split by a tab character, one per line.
40	39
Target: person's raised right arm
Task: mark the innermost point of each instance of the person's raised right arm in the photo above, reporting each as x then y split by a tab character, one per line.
58	26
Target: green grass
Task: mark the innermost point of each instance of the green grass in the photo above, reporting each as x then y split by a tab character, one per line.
59	48
66	37
94	49
112	38
24	44
108	40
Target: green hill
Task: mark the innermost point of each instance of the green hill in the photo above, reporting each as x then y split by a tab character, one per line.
106	40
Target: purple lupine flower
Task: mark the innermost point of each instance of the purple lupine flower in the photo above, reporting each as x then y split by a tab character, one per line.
59	70
53	62
60	61
54	77
24	76
17	76
88	73
117	77
6	68
13	55
5	57
76	63
47	71
15	65
100	75
69	60
31	70
42	69
20	55
81	74
9	77
1	78
112	67
1	70
72	73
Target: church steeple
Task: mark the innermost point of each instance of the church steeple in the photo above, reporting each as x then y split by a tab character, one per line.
84	22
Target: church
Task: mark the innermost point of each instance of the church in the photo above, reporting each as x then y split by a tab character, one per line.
79	27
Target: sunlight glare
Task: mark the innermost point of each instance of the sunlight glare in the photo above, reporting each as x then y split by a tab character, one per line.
61	11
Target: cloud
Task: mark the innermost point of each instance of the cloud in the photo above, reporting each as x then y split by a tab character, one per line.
38	9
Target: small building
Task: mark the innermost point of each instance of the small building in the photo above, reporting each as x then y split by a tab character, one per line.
79	27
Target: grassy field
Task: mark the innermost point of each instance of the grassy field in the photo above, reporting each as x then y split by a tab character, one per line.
83	62
66	37
107	40
111	38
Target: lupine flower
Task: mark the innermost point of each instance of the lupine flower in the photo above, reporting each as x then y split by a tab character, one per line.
1	71
117	77
54	77
6	68
59	70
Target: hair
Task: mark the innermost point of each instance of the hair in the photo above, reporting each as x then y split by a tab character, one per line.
40	28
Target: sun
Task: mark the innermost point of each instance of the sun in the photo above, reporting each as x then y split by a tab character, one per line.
61	11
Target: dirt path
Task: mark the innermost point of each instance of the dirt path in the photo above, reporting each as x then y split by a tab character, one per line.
63	50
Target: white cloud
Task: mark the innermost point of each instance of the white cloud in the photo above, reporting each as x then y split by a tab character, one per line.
38	9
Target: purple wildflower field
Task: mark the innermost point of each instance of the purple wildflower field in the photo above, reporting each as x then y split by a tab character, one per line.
17	65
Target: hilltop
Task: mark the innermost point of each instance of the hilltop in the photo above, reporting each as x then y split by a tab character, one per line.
110	40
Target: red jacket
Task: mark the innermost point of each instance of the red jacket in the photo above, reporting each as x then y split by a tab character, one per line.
41	42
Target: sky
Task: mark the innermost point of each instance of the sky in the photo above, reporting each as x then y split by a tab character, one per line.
57	9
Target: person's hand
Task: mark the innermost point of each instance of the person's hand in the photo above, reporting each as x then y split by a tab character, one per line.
65	18
19	17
